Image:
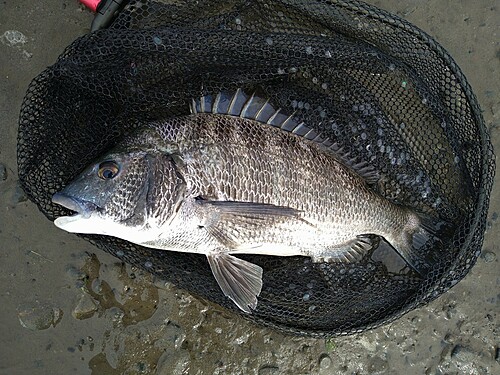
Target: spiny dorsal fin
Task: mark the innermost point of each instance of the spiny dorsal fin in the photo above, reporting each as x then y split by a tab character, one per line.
254	107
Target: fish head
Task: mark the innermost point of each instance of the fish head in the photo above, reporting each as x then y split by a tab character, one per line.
119	194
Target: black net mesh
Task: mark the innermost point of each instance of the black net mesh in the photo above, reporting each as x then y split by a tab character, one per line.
375	84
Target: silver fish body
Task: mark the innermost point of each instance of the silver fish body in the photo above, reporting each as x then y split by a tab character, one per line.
224	185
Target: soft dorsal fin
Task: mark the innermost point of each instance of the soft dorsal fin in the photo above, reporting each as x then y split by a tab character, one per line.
254	107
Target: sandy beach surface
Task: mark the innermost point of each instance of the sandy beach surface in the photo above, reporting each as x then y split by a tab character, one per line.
69	308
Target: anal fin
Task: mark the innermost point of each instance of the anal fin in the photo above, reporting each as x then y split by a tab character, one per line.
349	252
239	280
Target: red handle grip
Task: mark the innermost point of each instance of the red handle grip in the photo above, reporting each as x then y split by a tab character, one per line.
91	4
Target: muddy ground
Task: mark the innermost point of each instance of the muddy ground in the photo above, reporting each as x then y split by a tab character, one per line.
67	307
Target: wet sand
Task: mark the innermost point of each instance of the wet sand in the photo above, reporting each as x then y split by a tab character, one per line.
68	307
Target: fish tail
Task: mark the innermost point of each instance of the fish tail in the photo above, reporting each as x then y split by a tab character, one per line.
410	242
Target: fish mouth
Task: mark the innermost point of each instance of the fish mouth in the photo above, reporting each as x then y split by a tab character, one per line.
83	208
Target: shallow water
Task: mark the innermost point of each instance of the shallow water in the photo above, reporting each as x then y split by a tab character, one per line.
67	307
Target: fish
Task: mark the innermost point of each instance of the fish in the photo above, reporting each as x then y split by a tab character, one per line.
238	176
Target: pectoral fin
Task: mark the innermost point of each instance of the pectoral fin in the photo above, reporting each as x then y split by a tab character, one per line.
228	221
249	210
239	280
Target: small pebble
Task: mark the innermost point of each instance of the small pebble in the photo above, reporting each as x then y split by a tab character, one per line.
39	316
3	172
116	314
268	370
488	256
96	286
85	308
168	363
377	365
449	338
325	362
75	273
449	311
13	37
18	195
463	354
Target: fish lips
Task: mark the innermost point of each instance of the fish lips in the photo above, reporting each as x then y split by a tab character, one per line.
83	208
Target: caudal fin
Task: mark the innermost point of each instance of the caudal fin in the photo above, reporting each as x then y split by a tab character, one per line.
413	239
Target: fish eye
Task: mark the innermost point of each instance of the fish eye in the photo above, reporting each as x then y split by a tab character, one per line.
108	170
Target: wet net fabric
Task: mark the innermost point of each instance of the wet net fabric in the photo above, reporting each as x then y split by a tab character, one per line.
385	92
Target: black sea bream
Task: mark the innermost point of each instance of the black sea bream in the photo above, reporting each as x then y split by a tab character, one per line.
224	184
